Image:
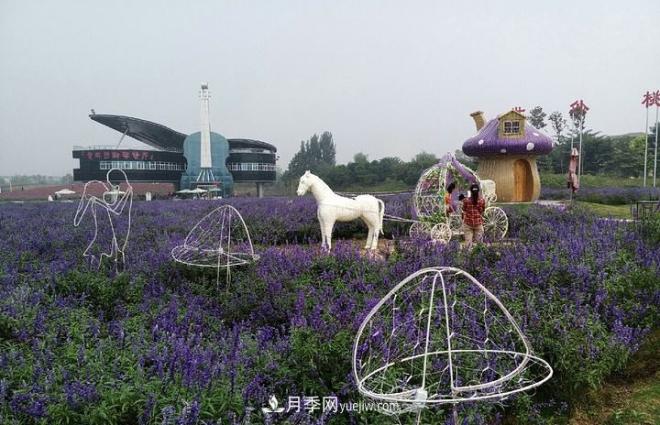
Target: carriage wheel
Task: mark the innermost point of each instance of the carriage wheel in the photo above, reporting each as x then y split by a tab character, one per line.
441	233
490	198
496	223
419	230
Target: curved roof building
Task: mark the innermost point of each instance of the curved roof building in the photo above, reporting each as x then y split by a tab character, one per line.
173	156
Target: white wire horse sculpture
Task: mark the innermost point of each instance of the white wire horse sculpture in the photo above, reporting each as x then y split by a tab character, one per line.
440	337
220	240
114	202
332	208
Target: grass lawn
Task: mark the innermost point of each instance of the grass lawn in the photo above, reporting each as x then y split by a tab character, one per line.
632	397
615	211
559	181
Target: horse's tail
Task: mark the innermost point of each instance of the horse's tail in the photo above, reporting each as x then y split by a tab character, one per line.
381	214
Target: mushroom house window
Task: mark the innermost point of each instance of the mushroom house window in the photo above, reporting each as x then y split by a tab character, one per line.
511	127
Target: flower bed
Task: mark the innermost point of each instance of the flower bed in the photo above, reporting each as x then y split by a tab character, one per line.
604	195
161	344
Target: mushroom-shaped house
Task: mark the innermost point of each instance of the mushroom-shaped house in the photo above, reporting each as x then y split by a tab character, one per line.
507	148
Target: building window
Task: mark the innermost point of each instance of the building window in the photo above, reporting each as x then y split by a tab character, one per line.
251	166
511	127
141	165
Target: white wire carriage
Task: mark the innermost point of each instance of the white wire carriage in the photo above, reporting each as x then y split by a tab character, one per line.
440	337
429	205
220	240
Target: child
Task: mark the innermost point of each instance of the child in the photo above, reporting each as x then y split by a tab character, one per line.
449	207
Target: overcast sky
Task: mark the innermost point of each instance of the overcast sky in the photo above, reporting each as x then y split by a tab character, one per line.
386	78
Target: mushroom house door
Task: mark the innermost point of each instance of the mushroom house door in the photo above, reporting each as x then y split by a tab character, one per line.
523	181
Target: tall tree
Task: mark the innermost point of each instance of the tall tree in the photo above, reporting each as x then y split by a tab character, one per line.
558	123
315	154
328	150
555	161
537	117
360	158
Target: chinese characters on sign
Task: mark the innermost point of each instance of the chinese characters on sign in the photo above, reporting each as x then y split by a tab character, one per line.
119	154
650	99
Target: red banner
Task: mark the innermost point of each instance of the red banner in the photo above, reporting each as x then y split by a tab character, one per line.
119	155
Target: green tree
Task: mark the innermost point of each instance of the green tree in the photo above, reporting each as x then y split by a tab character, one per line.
360	158
537	117
558	123
328	150
315	154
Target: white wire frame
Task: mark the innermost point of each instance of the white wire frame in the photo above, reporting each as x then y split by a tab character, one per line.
496	223
428	203
113	208
416	398
220	240
426	198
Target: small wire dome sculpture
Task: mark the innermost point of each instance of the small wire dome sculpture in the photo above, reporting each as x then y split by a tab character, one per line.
115	203
440	337
220	240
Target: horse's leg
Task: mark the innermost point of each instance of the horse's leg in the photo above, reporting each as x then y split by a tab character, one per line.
328	232
374	243
322	226
370	235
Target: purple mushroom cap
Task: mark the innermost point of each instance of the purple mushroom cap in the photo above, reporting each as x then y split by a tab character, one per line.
487	142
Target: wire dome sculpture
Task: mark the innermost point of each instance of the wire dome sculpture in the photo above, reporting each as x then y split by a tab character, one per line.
220	240
115	203
440	337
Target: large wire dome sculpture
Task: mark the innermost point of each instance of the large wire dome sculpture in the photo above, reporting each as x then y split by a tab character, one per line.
220	240
428	201
440	337
115	203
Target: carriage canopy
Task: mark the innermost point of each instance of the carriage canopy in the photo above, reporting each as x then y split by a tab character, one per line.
432	185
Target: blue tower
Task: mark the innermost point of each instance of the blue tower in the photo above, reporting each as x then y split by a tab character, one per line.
221	178
206	154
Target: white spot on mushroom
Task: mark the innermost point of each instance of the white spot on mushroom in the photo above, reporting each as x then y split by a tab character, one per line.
530	146
503	150
481	142
536	134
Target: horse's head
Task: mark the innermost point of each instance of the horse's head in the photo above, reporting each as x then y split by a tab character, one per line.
306	181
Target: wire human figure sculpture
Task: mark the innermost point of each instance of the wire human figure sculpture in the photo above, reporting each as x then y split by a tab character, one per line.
113	202
440	337
333	208
220	240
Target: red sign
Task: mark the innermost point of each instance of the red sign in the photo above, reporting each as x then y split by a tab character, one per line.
579	107
119	155
648	99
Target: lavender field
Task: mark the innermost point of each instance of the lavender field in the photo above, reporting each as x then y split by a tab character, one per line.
160	344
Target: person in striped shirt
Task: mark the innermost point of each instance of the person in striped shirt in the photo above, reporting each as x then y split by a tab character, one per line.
473	221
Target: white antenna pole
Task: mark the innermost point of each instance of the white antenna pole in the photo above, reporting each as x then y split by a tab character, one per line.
205	158
581	155
205	154
646	145
655	161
